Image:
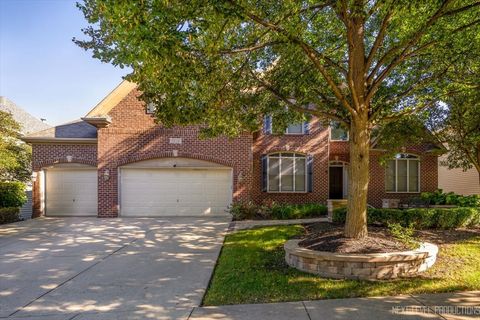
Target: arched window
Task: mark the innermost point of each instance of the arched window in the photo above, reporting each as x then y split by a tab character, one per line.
286	172
403	173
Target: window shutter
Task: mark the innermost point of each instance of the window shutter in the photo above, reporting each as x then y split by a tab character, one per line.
267	124
310	173
306	127
264	173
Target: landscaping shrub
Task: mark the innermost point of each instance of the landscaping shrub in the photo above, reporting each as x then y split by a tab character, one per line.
404	234
8	215
419	218
12	194
438	197
249	210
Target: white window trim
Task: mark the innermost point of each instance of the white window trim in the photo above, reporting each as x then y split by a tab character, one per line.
150	108
279	156
270	128
408	174
331	139
296	133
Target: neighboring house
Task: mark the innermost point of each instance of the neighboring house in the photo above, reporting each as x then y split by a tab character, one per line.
29	124
117	161
456	180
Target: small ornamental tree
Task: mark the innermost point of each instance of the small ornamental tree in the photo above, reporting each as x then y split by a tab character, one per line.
15	156
459	128
226	64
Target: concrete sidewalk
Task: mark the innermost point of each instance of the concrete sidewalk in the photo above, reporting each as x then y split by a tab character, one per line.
462	305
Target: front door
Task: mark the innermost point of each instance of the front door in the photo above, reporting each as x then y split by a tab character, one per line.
336	183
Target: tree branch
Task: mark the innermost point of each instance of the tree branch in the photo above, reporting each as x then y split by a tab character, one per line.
407	112
379	39
310	52
404	47
413	41
290	102
252	47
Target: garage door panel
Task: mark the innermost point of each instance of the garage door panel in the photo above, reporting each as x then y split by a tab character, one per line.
71	192
164	192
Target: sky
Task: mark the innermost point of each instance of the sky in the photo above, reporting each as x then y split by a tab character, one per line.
41	69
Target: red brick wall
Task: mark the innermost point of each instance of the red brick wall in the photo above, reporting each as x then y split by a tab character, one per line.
44	155
339	151
133	136
376	190
315	143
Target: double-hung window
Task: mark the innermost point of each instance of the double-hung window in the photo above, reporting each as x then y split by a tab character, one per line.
298	128
337	132
287	172
403	173
293	129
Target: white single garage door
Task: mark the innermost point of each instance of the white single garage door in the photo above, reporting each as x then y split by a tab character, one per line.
71	192
181	192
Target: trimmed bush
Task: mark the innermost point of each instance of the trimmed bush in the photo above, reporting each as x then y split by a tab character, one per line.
8	215
420	218
438	197
12	194
274	211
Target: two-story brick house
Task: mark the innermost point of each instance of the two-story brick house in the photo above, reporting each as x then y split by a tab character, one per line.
116	161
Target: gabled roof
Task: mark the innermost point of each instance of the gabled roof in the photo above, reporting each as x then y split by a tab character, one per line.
77	131
102	109
84	130
28	122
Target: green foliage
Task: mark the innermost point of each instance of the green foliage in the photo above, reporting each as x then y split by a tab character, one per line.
15	156
8	215
227	63
274	211
438	197
460	128
404	234
419	218
12	194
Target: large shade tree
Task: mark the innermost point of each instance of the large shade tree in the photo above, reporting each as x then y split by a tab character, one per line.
226	64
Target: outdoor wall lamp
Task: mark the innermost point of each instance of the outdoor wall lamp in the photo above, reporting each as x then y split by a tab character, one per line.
34	176
69	158
106	175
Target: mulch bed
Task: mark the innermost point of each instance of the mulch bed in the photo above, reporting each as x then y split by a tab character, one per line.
325	237
329	237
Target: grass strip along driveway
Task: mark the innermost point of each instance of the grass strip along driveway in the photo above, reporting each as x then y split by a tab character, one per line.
251	269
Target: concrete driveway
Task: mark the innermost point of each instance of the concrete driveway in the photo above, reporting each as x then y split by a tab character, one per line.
89	268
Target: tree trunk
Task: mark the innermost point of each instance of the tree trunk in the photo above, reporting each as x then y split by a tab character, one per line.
477	164
358	178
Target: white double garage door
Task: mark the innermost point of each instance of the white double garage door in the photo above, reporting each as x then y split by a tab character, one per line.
143	192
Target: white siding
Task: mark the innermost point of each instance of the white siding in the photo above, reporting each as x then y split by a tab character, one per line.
457	180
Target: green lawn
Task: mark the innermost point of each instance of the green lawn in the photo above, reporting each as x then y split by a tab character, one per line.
251	269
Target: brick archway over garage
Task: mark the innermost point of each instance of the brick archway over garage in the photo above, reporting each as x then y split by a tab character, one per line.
170	154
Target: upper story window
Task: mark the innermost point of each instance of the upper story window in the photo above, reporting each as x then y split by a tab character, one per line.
337	132
298	128
150	108
293	129
403	173
286	172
